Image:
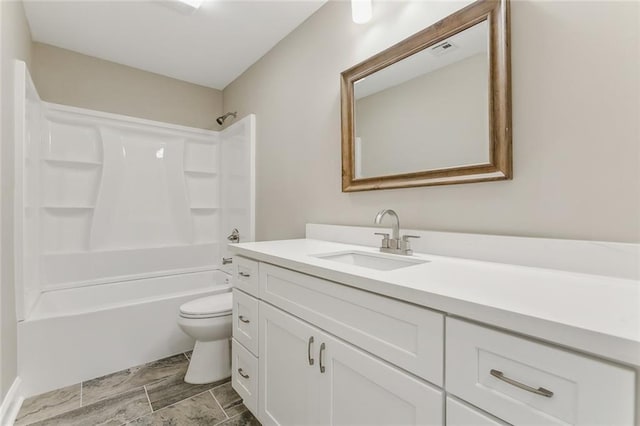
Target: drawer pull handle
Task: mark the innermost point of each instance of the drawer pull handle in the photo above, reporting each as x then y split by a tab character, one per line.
540	391
309	357
322	348
244	274
242	373
243	319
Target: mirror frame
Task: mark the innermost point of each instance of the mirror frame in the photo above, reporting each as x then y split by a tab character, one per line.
496	13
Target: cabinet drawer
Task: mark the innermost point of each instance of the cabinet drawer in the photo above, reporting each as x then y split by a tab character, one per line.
406	335
245	275
513	378
461	414
244	375
245	320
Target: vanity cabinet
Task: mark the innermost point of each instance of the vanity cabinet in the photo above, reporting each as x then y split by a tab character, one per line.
319	352
308	376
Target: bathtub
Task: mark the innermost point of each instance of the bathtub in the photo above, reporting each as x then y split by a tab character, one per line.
81	333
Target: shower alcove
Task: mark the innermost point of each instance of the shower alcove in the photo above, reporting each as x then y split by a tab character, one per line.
118	220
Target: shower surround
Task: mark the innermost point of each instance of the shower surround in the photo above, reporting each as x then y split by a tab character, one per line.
118	221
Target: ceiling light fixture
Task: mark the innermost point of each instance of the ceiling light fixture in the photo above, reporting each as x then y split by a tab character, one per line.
361	11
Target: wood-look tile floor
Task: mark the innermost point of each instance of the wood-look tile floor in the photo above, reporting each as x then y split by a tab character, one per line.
149	394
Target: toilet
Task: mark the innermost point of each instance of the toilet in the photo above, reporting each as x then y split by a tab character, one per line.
208	321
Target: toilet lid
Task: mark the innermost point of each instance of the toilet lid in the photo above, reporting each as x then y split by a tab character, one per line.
211	306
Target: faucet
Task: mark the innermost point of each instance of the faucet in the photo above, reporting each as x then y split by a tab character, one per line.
396	226
395	244
235	236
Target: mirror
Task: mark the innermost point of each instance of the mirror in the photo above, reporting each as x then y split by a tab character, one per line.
434	109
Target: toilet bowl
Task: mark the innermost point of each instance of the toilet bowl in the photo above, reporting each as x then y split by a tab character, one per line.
208	321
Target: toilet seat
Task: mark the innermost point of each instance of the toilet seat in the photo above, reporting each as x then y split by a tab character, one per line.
218	305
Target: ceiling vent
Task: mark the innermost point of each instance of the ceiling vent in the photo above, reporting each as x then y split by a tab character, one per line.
442	48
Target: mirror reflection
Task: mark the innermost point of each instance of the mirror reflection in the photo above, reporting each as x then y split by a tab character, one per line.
429	111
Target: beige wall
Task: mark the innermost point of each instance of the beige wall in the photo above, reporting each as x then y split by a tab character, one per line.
15	41
70	78
575	68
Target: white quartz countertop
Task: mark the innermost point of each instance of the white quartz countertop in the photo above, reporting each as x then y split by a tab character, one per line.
591	313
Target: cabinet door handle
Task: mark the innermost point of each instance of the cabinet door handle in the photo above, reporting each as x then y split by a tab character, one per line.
309	357
244	274
540	391
242	373
322	348
243	319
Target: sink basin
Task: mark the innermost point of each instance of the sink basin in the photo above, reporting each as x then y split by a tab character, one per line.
378	261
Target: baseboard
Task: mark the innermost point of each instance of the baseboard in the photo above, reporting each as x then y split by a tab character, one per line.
11	404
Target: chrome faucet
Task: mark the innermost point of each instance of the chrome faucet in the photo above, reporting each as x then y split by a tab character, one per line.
235	236
395	244
396	226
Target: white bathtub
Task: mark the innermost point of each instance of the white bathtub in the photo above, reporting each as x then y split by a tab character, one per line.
81	333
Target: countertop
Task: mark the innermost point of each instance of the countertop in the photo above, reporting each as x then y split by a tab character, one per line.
596	314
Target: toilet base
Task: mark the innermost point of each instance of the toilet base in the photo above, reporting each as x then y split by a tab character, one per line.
210	362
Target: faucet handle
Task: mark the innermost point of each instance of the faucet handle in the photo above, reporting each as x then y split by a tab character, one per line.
385	239
406	245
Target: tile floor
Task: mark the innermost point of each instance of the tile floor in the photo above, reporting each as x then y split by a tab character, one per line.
149	394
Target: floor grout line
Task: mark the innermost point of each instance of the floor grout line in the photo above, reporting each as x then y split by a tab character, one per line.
221	384
237	415
219	405
148	399
80	394
177	402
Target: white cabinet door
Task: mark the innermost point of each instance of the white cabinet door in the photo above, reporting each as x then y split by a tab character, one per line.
360	389
330	382
287	385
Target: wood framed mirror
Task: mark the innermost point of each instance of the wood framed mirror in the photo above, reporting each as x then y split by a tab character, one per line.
434	109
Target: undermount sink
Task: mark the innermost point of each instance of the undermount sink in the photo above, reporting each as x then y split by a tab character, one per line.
378	261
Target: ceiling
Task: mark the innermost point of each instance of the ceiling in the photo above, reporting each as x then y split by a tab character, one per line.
210	46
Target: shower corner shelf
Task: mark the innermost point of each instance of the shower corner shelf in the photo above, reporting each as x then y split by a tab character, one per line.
204	208
60	207
72	163
203	172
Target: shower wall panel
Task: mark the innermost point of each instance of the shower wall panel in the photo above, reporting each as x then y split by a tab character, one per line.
125	198
237	174
103	198
28	176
